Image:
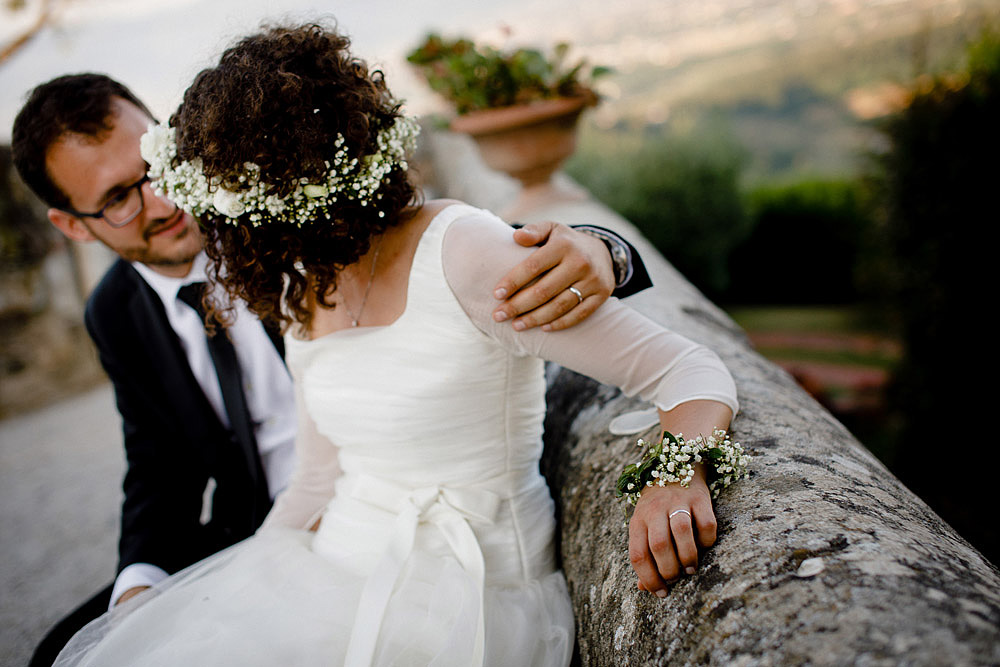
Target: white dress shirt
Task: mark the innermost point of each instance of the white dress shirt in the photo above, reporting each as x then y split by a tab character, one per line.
266	383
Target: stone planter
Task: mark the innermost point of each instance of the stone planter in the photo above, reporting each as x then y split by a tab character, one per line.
528	142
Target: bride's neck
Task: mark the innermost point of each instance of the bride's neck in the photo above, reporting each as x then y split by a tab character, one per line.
386	286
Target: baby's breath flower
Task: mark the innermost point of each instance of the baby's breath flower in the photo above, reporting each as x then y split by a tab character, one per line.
672	461
186	185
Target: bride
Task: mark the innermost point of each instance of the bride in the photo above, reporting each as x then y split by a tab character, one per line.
417	529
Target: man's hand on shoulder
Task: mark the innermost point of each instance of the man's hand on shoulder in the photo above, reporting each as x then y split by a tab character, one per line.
560	284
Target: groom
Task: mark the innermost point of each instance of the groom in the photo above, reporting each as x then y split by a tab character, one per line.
208	441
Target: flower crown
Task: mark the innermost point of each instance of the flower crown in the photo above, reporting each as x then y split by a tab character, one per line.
355	179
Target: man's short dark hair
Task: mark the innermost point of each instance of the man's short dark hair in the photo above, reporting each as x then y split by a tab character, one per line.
69	104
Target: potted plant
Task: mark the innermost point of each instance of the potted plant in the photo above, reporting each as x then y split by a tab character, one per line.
520	106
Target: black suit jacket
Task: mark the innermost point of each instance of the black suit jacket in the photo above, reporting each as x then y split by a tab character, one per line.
174	441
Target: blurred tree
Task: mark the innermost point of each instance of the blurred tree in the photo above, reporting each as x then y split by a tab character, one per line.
803	245
681	191
938	193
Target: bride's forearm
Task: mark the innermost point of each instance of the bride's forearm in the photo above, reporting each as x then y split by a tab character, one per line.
694	418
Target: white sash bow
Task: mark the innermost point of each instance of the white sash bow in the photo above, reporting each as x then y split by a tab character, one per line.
449	510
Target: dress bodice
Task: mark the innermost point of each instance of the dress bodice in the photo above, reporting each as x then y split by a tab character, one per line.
436	425
428	399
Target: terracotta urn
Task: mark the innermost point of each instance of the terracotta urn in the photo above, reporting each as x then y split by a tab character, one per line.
528	142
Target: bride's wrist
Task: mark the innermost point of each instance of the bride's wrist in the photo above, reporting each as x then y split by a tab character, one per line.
715	460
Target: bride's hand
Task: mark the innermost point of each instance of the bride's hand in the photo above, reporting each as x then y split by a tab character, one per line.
661	547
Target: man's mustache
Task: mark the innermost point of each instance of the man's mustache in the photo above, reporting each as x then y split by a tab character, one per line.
162	224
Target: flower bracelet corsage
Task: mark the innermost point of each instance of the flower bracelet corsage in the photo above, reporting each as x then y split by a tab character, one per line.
673	460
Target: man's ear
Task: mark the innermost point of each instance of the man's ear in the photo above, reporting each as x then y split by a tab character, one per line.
70	225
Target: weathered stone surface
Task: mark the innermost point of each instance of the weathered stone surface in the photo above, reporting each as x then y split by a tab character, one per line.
824	558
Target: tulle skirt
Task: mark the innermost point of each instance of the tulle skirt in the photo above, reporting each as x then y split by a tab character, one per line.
274	599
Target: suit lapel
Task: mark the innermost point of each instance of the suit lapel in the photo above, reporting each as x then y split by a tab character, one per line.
169	361
172	364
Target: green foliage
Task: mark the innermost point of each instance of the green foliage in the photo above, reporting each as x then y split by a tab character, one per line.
682	192
780	244
983	56
804	246
938	194
481	77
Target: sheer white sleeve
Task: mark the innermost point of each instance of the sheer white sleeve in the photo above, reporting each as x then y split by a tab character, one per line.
316	471
616	345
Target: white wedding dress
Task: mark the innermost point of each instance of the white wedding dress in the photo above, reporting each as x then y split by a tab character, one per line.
437	547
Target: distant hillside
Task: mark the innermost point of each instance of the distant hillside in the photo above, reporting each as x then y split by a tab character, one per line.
794	83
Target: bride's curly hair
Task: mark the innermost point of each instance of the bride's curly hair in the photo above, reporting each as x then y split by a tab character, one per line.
279	99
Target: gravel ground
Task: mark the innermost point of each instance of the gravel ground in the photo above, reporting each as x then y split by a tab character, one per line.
60	479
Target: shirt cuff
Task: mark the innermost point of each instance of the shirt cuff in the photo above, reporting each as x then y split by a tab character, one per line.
136	574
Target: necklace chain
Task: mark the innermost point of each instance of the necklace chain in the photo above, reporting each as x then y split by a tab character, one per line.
368	288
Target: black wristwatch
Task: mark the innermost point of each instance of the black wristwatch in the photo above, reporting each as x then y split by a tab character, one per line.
621	254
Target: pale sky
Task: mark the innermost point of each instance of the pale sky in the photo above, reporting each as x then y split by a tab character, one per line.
157	46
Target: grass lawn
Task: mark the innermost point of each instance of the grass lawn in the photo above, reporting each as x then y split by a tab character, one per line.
842	319
839	354
844	336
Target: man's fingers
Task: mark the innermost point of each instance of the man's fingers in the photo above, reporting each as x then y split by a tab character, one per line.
546	313
575	315
531	268
554	284
533	234
562	312
537	292
551	286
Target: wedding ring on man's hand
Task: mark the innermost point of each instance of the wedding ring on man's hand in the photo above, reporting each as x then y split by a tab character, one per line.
671	515
579	296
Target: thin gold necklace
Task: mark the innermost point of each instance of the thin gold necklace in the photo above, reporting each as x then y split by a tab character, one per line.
368	288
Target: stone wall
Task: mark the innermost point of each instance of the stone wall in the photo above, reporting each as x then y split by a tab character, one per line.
824	557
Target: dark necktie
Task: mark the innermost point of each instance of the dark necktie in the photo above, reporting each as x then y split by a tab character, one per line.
227	367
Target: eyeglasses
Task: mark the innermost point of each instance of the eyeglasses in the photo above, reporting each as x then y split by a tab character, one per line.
120	209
